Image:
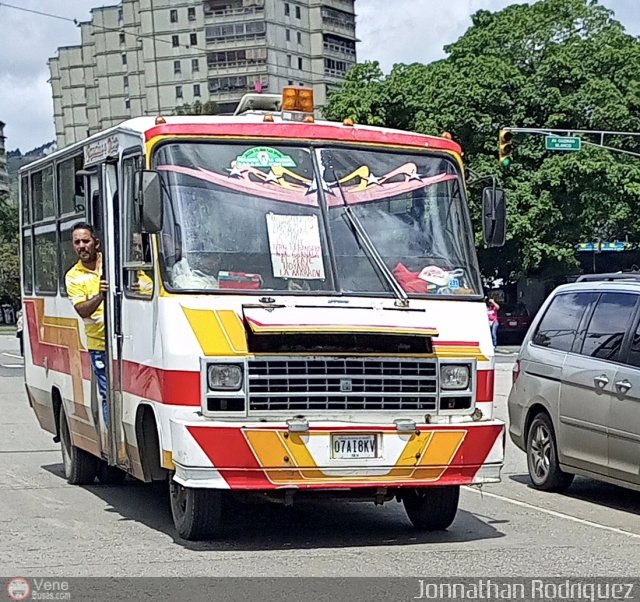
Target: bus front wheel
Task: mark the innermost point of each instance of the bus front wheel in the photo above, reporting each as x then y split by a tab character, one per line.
110	475
80	467
197	513
432	508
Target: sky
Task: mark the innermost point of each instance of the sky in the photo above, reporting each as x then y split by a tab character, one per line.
391	31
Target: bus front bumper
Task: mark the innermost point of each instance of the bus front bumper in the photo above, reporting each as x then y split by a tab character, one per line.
334	456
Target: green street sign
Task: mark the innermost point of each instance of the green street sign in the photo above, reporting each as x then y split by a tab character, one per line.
563	143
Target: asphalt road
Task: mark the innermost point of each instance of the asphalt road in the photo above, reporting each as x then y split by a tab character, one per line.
48	527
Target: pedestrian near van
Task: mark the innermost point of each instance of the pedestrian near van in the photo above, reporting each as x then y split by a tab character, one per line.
492	312
20	330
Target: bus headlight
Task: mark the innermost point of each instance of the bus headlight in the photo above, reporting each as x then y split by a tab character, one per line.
224	377
454	378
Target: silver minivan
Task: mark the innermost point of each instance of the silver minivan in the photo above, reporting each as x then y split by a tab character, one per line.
574	406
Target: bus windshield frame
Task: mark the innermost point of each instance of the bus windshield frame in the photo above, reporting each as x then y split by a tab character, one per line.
279	225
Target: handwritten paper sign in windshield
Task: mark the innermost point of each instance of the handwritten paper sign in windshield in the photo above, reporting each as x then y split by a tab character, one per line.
294	242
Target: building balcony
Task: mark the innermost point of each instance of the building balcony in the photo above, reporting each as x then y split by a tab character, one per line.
229	95
238	68
343	5
337	74
339	27
233	15
236	42
339	52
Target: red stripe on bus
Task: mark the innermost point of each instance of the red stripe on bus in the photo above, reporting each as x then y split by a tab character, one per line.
473	453
230	453
486	380
172	387
293	131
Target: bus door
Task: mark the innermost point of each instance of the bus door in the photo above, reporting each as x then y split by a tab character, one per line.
117	454
94	187
139	308
104	216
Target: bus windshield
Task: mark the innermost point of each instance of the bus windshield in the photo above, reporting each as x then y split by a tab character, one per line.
273	218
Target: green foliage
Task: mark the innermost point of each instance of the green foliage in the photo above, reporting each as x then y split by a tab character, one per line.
554	64
198	108
9	272
9	254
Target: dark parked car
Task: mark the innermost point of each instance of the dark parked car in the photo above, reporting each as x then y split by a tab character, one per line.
514	323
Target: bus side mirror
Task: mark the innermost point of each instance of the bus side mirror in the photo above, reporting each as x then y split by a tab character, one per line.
150	199
494	216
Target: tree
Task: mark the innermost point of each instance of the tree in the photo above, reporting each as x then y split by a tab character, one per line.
9	254
198	108
554	64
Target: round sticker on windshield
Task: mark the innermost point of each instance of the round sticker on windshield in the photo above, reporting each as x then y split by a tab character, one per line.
264	156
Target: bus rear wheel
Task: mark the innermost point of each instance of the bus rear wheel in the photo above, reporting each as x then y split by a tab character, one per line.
432	508
80	467
197	513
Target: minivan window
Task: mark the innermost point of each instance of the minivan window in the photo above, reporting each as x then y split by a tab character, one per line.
558	327
608	325
634	352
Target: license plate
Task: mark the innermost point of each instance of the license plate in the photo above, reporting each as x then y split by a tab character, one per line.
513	323
354	446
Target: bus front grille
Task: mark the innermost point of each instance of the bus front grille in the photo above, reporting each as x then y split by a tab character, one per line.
342	384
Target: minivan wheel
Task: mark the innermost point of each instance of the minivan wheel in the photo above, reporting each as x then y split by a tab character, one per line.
542	456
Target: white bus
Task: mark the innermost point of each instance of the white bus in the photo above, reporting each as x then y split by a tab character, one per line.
315	321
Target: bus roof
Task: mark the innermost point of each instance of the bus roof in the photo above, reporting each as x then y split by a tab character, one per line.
254	125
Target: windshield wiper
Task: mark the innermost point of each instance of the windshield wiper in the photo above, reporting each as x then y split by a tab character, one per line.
366	244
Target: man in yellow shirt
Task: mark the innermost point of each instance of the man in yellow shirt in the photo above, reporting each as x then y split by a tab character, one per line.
87	290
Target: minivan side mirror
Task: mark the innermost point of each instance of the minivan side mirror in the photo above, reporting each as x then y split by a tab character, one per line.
150	199
494	216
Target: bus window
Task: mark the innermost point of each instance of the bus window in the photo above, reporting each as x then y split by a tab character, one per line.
68	256
138	276
24	190
96	213
42	195
46	262
27	262
71	186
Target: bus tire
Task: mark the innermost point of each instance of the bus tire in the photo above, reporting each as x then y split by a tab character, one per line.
110	475
197	513
432	508
80	467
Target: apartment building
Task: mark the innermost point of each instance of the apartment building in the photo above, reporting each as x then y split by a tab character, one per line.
4	176
148	57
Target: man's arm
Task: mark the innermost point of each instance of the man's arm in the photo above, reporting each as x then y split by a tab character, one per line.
87	307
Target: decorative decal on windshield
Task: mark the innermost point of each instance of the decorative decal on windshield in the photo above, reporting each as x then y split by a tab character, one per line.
282	184
294	242
279	184
264	156
369	187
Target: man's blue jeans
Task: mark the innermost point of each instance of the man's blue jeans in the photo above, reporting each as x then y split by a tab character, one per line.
98	363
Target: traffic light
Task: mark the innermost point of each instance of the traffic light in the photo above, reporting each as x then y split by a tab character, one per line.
506	148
